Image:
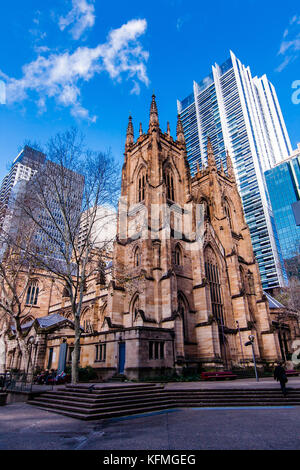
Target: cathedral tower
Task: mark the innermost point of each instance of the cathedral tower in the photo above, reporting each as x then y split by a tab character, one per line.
186	288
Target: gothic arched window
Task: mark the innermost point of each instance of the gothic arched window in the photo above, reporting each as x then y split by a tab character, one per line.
137	257
169	180
32	293
135	307
141	186
251	282
182	310
213	277
101	276
178	256
206	211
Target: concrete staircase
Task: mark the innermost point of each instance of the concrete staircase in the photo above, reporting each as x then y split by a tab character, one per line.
114	401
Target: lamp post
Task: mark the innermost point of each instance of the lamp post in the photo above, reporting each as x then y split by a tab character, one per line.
250	343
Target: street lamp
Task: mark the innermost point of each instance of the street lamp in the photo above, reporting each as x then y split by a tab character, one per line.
250	343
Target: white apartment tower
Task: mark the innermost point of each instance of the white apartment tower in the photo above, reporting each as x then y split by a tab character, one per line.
241	114
24	166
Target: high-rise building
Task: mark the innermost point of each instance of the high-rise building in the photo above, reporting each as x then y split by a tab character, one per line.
16	186
23	168
241	114
283	183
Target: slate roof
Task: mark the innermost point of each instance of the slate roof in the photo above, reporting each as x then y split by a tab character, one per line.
44	322
50	320
273	303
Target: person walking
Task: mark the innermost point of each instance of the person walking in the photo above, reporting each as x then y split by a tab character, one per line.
280	376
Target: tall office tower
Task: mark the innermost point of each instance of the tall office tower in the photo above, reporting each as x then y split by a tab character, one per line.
241	114
283	183
23	168
27	166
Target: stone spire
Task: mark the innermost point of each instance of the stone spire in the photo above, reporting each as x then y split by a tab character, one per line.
129	134
153	114
141	129
179	130
211	161
222	168
230	170
168	129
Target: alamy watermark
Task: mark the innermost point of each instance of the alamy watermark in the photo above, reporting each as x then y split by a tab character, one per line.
296	353
296	93
161	221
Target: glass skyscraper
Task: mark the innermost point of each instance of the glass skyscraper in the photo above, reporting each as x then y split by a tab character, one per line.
241	114
283	183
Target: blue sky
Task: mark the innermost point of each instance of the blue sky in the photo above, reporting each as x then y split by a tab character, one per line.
89	63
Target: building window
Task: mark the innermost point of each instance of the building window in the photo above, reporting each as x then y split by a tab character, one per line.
32	293
213	277
141	187
101	277
70	353
135	308
100	352
66	292
178	256
169	180
137	257
156	349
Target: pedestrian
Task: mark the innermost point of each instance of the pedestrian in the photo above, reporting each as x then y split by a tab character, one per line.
280	376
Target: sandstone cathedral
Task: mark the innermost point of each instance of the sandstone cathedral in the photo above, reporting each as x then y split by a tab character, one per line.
185	289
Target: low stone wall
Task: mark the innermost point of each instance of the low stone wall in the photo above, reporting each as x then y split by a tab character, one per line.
3	398
14	396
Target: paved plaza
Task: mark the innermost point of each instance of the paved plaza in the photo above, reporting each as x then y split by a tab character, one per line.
26	427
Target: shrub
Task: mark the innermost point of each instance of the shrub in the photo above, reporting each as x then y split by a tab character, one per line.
87	373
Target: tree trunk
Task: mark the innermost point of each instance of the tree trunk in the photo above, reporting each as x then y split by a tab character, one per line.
3	349
76	351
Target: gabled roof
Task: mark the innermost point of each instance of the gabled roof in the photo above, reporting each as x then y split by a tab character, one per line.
45	322
273	303
50	320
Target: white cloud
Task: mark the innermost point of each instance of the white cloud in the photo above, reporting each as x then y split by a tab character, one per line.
290	44
81	17
59	76
182	20
136	89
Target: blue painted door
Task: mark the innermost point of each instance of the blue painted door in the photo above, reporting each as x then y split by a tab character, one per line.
121	358
62	358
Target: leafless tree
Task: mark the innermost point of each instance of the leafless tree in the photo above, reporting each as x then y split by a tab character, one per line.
66	194
16	274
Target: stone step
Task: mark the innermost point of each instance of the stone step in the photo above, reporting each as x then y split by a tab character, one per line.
111	387
106	415
120	401
95	395
123	410
105	404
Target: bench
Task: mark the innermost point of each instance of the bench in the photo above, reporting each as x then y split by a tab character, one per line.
221	375
292	373
60	381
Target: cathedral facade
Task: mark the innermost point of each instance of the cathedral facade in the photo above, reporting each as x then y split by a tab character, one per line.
185	289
